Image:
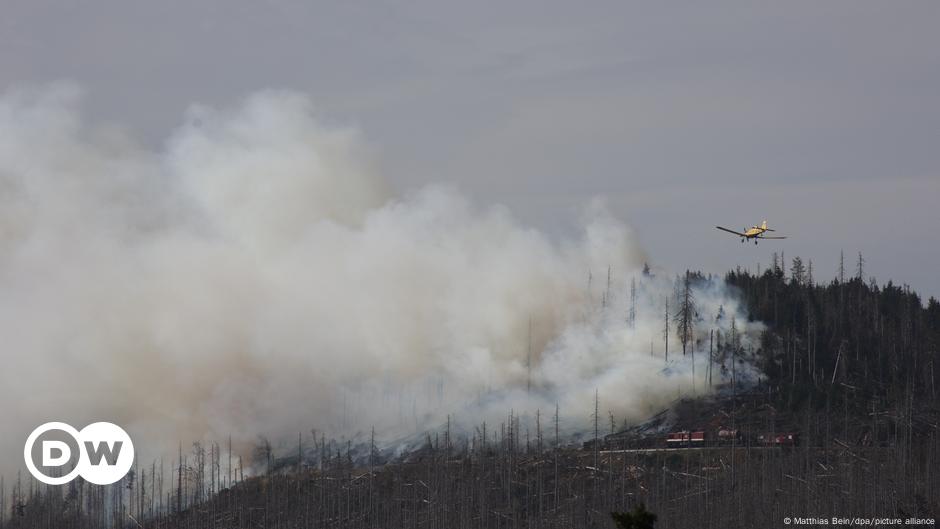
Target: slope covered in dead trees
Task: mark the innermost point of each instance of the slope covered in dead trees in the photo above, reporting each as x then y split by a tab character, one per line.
849	364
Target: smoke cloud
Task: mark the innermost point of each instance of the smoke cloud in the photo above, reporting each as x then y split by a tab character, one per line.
255	277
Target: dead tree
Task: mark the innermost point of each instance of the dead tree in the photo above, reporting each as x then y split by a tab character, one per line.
685	313
666	329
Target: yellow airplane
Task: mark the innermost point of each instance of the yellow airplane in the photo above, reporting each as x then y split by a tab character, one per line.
754	232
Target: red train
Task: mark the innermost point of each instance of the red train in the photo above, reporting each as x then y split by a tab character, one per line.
722	436
703	438
725	436
686	438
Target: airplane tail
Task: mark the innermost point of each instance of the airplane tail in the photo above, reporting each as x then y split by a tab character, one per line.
763	225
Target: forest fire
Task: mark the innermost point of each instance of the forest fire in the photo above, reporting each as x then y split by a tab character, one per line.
459	265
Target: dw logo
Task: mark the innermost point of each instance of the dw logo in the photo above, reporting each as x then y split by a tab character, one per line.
102	453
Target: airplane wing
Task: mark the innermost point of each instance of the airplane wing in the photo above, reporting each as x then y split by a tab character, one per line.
765	237
731	231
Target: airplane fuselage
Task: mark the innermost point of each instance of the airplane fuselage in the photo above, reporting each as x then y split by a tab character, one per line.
754	231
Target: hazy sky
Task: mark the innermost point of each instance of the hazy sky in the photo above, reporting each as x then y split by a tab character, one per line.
823	117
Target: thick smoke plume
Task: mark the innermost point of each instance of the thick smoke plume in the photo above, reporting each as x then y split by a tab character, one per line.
254	277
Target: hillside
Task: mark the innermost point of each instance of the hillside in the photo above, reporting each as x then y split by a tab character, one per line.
849	365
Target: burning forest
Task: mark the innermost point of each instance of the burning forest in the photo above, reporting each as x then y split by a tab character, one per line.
444	365
474	266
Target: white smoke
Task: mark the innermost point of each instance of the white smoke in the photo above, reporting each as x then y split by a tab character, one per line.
256	277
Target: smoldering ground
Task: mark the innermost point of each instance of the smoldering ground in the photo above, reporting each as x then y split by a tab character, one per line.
255	276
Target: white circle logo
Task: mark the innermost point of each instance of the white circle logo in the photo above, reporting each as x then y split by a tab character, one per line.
101	453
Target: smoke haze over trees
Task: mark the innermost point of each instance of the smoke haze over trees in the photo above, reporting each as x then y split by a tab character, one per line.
870	446
256	274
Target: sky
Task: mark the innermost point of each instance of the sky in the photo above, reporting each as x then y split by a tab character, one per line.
821	117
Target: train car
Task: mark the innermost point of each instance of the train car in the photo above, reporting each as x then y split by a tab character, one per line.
686	438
